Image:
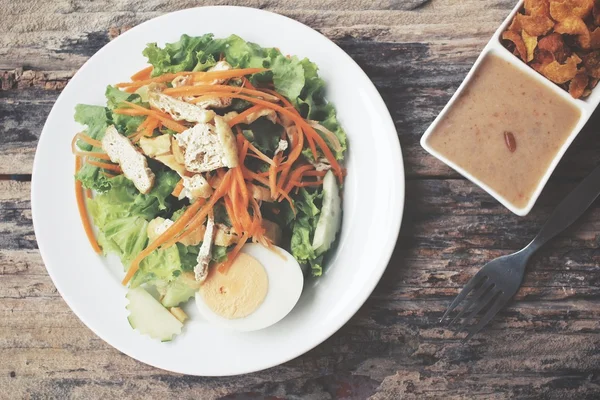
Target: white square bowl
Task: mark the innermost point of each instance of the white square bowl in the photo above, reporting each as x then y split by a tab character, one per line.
586	108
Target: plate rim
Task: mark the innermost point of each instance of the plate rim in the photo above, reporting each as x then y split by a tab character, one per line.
375	277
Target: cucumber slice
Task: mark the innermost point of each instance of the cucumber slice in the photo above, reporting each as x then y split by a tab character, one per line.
331	215
149	317
176	293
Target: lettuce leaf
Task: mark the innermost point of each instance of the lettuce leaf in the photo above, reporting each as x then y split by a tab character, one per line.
125	124
303	228
288	76
124	200
161	265
121	214
96	120
179	56
189	254
124	236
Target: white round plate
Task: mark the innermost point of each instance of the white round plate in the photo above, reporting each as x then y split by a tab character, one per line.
373	203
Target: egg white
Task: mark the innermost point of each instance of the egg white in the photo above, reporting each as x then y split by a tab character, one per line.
285	287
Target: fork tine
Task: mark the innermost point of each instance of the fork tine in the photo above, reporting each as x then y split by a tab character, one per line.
489	296
491	313
463	293
485	285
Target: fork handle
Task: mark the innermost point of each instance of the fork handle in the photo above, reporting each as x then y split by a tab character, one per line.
569	210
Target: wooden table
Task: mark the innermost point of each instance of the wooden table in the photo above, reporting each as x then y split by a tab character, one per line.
545	345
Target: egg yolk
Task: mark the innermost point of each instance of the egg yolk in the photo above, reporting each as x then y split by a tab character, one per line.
238	292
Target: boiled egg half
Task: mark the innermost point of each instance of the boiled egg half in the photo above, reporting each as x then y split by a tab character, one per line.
260	288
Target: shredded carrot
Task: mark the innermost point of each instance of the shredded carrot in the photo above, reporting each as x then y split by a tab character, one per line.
142	74
199	76
256	209
311	145
129	111
333	140
257	230
224	266
152	125
93	154
162	117
85	138
296	176
314	173
234	200
243	188
88	193
281	98
85	220
240	208
260	154
103	165
158	79
294	155
81	153
307	129
246	83
229	208
197	90
241	118
143	125
178	188
243	144
199	218
273	176
290	106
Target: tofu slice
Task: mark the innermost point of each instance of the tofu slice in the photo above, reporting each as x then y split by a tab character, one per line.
182	80
230	115
272	231
194	238
195	187
156	146
170	161
225	236
207	147
203	259
157	227
132	162
220	66
180	110
271	115
177	151
215	102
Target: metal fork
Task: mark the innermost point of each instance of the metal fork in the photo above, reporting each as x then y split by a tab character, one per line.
498	281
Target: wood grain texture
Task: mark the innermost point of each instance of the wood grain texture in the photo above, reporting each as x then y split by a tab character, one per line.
544	345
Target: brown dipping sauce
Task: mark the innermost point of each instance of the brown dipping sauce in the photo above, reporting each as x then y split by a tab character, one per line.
505	129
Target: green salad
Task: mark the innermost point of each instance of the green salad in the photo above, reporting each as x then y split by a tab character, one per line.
217	143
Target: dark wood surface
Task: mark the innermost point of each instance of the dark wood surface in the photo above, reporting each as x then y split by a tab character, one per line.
544	345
